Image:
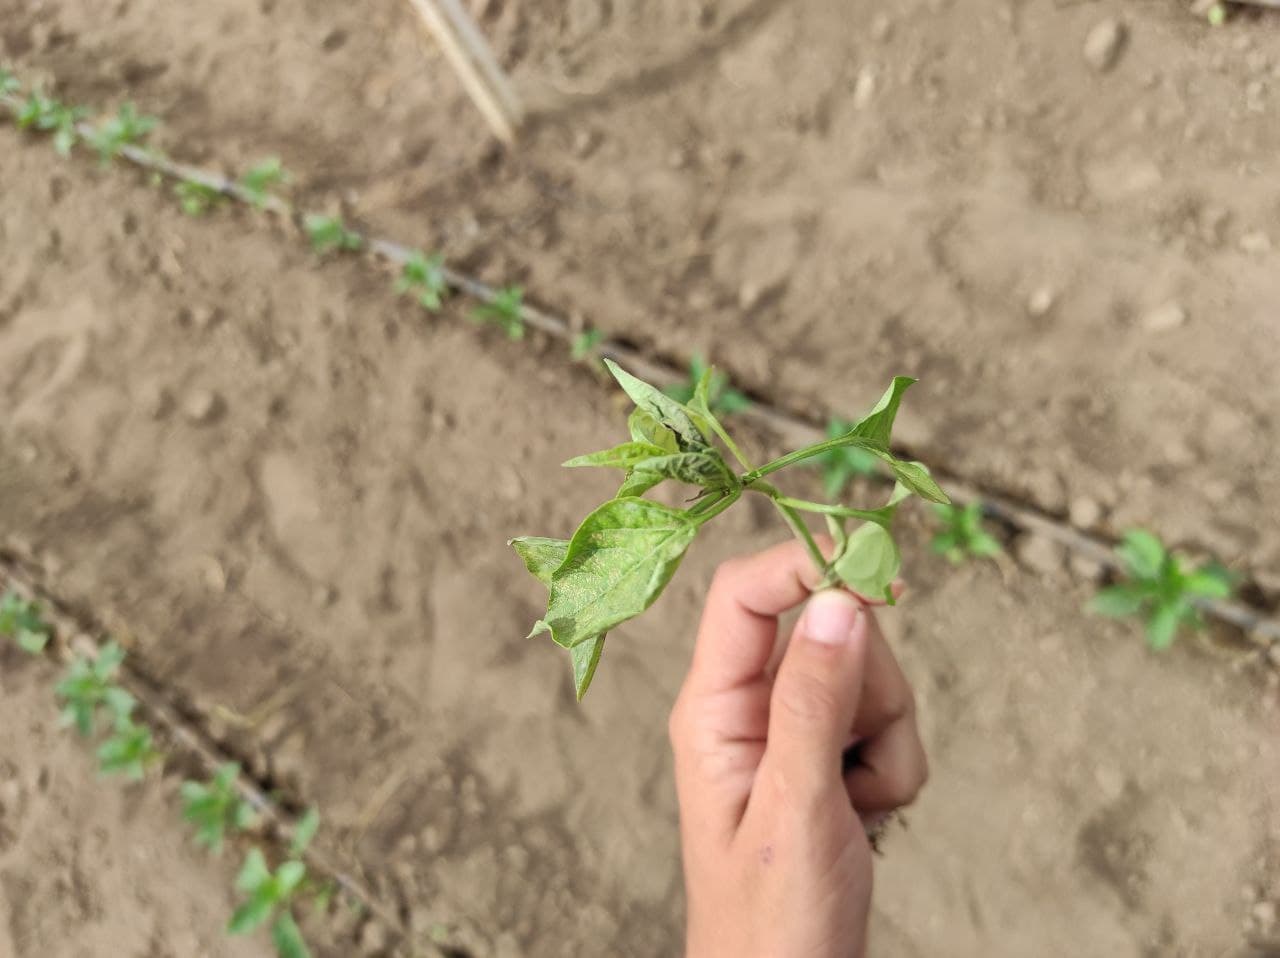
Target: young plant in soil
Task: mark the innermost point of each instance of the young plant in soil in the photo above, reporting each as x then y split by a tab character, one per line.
625	552
127	127
423	276
269	897
1159	589
43	113
962	536
128	751
89	685
330	233
20	620
215	808
257	182
723	399
196	199
583	345
503	310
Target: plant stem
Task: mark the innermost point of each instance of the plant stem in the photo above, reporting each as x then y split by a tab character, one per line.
729	443
709	508
842	512
792	519
808	452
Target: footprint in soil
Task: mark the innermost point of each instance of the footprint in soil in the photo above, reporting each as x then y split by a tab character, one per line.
1114	848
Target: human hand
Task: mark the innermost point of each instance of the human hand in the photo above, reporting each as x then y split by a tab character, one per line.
773	816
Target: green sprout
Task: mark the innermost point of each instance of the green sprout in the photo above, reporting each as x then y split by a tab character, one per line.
625	552
197	199
128	751
1217	14
260	178
216	808
8	82
270	895
126	128
89	685
424	277
20	620
724	399
840	465
40	112
304	832
1159	589
505	310
583	345
330	233
962	535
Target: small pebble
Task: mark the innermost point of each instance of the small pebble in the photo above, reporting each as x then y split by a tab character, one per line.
1041	554
1040	302
585	142
1255	242
202	406
1165	317
864	88
1104	44
1084	512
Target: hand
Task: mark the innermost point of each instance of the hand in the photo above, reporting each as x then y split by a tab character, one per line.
777	863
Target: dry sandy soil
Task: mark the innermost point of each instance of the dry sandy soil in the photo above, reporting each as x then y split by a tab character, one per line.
291	493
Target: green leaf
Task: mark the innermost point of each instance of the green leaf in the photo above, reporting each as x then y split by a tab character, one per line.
1162	627
424	276
305	831
643	427
915	476
260	178
289	876
506	309
637	484
32	642
1119	600
585	657
584	343
1143	554
254	873
330	233
705	468
623	456
877	425
251	915
127	751
287	937
870	562
1211	582
661	407
619	561
541	556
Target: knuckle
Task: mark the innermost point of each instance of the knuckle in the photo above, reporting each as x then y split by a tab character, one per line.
726	573
804	699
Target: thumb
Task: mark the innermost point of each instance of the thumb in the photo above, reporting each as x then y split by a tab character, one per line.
815	696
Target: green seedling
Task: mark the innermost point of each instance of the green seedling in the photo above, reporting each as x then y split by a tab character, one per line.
127	128
128	751
197	199
962	535
258	181
330	233
304	832
21	621
724	399
90	685
625	552
40	112
842	464
584	344
216	808
423	276
506	309
270	896
8	82
1159	589
1217	14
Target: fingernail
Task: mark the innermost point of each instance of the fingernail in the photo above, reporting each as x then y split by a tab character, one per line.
831	616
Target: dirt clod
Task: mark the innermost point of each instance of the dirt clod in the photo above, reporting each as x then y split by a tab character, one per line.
202	407
1104	44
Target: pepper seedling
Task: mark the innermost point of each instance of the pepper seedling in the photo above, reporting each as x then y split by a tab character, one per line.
504	310
40	112
270	895
216	808
330	233
260	178
20	620
128	751
90	685
625	552
127	127
423	276
723	399
196	199
1160	589
583	344
962	535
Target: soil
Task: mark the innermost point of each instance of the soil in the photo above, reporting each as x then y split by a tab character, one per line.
290	492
